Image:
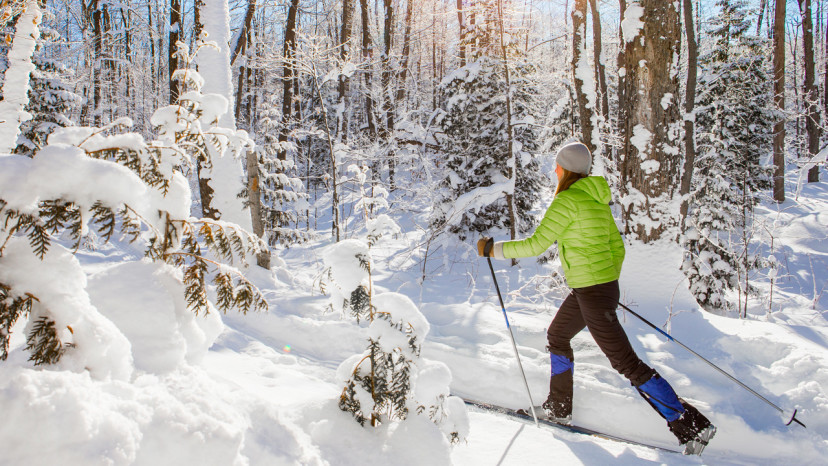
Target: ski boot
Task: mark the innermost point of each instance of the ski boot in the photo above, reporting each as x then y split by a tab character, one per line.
692	429
565	420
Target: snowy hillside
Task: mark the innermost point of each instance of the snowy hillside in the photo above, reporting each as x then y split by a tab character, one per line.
263	388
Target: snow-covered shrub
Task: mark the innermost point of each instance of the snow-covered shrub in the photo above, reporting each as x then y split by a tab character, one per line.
389	381
109	179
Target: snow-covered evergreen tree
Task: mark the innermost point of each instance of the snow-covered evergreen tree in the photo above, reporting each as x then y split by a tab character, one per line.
283	196
475	137
51	100
733	127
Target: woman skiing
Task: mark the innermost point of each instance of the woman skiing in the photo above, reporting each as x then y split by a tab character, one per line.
591	252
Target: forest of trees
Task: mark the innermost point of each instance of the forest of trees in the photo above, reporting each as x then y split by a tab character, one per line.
695	110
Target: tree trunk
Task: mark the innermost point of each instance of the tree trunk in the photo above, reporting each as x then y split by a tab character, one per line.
406	52
387	91
97	48
825	69
367	58
254	197
198	25
241	49
779	100
510	154
244	34
175	36
127	55
762	7
600	68
690	103
622	73
288	73
651	157
462	26
582	75
344	56
809	88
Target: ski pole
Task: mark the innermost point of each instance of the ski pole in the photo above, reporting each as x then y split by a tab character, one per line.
488	248
669	337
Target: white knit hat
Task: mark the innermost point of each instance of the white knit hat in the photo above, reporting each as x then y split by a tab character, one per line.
574	157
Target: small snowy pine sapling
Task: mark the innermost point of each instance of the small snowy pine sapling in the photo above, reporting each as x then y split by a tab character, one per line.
282	195
51	99
383	383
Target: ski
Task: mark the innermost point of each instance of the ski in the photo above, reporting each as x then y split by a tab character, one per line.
525	416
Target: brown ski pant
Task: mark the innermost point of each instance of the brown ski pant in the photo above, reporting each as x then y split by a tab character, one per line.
592	307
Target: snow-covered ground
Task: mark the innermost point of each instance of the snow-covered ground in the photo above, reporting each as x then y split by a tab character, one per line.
262	389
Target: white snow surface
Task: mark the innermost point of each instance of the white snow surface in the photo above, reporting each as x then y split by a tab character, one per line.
266	391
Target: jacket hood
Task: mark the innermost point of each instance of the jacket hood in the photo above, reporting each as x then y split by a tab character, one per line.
595	186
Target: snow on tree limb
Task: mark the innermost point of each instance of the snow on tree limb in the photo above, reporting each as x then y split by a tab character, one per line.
16	79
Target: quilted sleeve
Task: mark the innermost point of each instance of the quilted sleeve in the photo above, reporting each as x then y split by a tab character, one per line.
557	219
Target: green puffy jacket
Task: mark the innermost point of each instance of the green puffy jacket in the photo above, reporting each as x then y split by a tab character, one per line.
580	220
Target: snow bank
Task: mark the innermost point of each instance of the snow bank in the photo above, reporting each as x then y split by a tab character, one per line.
59	284
71	419
146	302
413	442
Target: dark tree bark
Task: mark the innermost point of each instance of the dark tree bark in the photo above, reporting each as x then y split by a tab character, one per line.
600	68
198	25
650	167
622	77
779	100
690	103
810	91
254	197
387	90
344	55
825	69
241	49
367	57
763	4
288	74
406	52
462	27
175	36
245	33
94	11
578	70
